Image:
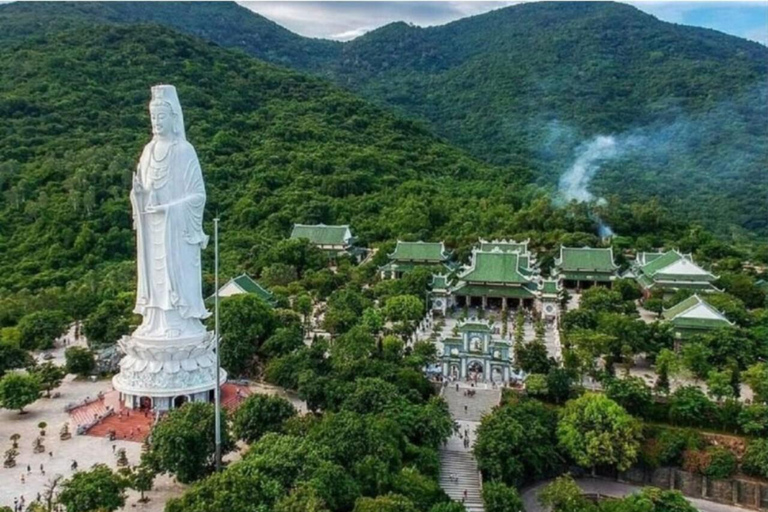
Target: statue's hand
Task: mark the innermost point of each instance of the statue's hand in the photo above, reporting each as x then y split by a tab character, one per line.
155	208
137	184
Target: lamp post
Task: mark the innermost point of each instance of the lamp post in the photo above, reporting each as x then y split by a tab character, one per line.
217	389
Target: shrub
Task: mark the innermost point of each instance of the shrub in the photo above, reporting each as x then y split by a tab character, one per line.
722	463
753	420
79	360
755	461
690	406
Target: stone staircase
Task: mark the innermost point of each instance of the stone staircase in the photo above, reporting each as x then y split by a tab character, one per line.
462	465
458	468
477	406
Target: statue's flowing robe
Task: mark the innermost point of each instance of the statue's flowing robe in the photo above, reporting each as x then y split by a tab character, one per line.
169	242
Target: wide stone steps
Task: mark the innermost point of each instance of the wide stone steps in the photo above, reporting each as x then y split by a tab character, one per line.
461	465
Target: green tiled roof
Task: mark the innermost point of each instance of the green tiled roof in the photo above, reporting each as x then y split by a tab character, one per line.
661	262
320	234
249	285
696	313
419	251
586	259
518	292
474	325
648	257
504	245
494	267
439	282
550	287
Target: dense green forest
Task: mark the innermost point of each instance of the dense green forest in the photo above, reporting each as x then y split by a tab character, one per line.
528	85
277	147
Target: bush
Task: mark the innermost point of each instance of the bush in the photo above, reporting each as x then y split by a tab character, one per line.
631	393
260	414
690	406
755	461
498	497
79	360
753	420
714	462
666	446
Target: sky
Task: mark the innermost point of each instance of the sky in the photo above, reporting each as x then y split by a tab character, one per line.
347	20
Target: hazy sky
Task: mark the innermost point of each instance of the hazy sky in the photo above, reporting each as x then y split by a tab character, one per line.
346	20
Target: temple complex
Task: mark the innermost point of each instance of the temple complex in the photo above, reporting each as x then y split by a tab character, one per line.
409	255
694	316
670	271
581	268
476	354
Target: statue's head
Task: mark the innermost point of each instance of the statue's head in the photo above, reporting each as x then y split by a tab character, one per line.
165	112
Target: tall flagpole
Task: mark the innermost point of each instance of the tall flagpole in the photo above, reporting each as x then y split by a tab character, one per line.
217	393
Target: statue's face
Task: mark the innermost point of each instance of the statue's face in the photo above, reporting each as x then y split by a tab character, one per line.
162	120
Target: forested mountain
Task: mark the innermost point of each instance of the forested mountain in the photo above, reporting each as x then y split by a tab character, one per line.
532	85
276	147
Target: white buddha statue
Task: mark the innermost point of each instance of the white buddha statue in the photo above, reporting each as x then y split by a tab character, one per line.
168	198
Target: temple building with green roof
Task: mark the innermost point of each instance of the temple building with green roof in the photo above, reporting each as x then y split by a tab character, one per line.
580	268
333	240
694	316
409	255
245	284
671	271
498	276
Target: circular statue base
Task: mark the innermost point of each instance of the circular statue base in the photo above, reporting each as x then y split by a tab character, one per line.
164	374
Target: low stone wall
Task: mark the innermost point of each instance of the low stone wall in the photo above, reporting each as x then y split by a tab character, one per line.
739	491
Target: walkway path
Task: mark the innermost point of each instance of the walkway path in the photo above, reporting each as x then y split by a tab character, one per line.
615	490
458	468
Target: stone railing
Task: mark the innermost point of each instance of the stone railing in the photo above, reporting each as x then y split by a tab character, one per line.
84	428
85	401
739	490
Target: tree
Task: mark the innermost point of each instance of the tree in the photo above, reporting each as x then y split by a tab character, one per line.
498	497
564	495
667	365
94	490
719	385
753	420
650	499
695	357
236	488
755	461
246	322
405	311
18	390
284	341
631	393
49	375
79	360
302	499
141	478
387	503
533	357
303	304
689	405
373	321
756	377
594	430
39	329
12	357
516	443
260	414
183	442
110	321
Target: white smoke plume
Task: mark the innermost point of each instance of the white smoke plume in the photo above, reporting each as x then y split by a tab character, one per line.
574	183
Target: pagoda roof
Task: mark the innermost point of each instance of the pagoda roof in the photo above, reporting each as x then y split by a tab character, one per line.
504	245
320	234
673	266
439	282
695	312
420	251
550	287
248	285
496	266
474	324
585	259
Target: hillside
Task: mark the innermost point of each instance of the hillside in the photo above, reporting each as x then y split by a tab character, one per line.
276	147
531	85
225	23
